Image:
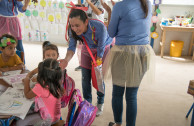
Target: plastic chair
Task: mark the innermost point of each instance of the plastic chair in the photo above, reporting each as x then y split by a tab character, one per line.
5	121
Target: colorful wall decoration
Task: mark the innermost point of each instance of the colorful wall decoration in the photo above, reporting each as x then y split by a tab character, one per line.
154	20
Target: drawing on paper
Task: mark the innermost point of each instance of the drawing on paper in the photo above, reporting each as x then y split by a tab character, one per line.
10	105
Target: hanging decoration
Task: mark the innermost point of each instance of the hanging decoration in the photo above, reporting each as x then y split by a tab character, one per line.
154	35
43	3
28	13
154	20
35	13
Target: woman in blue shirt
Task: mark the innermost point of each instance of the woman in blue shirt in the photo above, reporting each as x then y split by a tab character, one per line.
131	56
9	23
98	40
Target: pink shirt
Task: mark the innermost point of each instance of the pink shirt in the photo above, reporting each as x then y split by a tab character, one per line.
52	104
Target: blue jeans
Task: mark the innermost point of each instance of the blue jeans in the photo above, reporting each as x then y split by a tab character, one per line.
87	88
131	101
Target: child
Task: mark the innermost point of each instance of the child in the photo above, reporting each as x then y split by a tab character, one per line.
49	51
48	90
9	60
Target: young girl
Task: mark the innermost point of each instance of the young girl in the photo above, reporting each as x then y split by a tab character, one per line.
98	40
49	51
47	93
9	60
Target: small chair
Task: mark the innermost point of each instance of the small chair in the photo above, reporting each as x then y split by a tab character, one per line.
5	121
20	54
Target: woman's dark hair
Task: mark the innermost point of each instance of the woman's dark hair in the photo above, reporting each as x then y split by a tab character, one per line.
48	46
8	36
49	77
83	17
144	6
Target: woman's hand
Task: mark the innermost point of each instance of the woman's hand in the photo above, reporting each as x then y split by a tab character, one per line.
63	63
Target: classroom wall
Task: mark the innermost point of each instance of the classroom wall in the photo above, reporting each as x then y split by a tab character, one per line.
167	10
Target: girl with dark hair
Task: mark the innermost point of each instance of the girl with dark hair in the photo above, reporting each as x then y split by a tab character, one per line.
49	51
48	90
96	35
130	58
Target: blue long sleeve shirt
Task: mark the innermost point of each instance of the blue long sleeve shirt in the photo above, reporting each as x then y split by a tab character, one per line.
6	7
128	23
100	41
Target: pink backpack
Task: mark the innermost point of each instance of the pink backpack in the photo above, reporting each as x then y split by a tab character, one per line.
69	86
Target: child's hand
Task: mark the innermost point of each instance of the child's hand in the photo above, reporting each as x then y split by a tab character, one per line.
34	79
26	80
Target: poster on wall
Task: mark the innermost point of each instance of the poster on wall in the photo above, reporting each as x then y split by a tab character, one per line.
58	17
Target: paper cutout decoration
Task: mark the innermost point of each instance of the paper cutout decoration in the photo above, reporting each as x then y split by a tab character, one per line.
44	36
30	3
156	2
58	17
61	5
35	4
154	35
158	11
154	19
28	13
35	13
50	3
43	3
55	5
20	15
51	18
37	36
42	14
27	25
152	28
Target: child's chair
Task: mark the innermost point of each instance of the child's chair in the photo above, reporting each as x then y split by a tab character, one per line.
20	54
5	121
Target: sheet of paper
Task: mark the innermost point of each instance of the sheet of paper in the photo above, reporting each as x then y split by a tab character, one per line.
12	72
13	102
14	79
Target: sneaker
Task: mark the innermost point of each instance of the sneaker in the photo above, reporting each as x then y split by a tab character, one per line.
78	68
100	109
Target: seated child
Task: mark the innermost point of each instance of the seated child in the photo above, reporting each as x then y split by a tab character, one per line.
9	60
48	90
49	51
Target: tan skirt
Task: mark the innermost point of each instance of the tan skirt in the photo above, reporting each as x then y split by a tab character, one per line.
126	65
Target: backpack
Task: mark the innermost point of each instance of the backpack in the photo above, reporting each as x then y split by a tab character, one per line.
85	114
69	86
75	99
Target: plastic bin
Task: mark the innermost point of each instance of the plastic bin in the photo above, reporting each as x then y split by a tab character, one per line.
176	48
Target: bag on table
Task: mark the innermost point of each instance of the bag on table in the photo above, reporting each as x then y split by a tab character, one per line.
69	86
191	87
96	72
